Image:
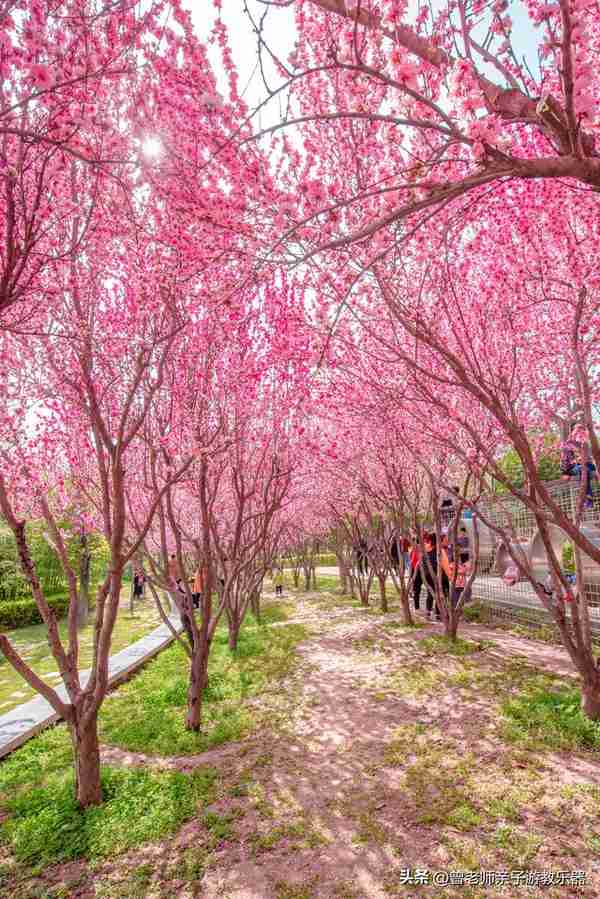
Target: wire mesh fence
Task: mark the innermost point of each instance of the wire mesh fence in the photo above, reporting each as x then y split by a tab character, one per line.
519	600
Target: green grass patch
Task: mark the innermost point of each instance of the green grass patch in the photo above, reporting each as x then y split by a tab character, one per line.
401	625
438	786
46	825
285	890
550	719
416	681
406	739
299	832
459	647
518	848
150	713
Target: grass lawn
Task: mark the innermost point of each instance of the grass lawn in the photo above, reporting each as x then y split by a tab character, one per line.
32	643
147	714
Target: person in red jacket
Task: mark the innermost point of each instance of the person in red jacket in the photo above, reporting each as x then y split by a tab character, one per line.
415	568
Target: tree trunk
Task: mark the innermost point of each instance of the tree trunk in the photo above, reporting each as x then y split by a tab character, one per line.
131	593
83	599
314	578
234	632
255	605
451	627
384	602
86	750
343	575
296	575
307	580
195	687
590	699
352	580
406	611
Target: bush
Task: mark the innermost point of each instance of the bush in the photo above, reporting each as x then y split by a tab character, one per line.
319	559
23	612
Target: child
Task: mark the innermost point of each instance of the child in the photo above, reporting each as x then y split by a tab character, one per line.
463	545
278	581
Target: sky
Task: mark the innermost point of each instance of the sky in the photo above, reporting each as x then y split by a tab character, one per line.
279	32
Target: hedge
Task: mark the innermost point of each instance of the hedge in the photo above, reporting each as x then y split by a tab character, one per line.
324	559
24	612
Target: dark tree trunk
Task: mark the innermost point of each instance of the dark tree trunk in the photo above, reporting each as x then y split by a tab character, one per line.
451	627
195	687
83	599
86	750
406	611
384	602
255	605
590	699
343	575
234	632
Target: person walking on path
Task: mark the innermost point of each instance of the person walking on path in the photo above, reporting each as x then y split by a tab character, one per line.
198	584
278	581
454	573
415	567
175	574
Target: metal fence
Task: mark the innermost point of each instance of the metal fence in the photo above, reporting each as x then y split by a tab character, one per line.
520	601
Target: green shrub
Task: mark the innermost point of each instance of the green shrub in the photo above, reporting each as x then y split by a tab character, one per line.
552	719
548	467
24	612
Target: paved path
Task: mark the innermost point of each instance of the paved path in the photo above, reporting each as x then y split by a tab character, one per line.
29	718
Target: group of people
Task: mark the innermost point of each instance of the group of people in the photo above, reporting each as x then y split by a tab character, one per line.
197	582
452	557
423	564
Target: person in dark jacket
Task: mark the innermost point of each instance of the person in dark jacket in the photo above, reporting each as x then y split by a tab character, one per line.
429	568
362	556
